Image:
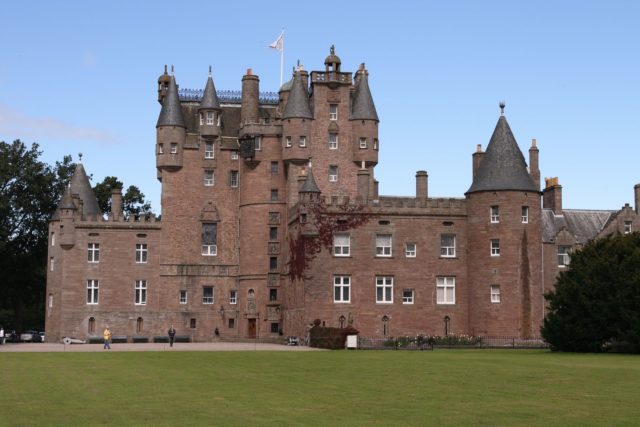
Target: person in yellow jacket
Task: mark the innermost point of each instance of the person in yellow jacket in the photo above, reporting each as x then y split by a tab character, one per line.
107	337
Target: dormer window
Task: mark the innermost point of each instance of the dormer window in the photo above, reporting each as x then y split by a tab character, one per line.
211	116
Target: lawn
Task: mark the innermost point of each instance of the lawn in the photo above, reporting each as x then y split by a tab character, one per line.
442	387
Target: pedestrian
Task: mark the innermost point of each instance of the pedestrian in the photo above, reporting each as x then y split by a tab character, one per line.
172	335
107	337
1	335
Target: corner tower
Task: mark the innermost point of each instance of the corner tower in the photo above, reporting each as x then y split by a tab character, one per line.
504	234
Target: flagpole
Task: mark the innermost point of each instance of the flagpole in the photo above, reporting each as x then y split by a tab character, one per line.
281	58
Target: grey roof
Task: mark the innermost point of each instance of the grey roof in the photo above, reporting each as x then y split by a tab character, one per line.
209	98
503	166
298	102
286	85
309	185
171	112
362	107
65	203
584	225
80	185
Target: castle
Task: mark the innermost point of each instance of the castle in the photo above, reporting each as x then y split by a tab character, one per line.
271	218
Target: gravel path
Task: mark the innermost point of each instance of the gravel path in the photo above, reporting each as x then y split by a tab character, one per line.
216	346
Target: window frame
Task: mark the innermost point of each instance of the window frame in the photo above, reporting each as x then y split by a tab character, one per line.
333	173
140	297
384	289
142	253
208	178
384	251
445	290
566	256
333	141
182	296
525	214
446	250
342	250
209	150
494	214
174	148
363	143
257	141
495	295
341	287
628	227
302	142
233	297
410	253
93	253
287	142
210	118
495	247
208	300
408	299
234	155
234	179
333	112
209	247
93	292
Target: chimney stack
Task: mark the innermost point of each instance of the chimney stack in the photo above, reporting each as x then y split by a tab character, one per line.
552	195
116	203
250	97
477	159
364	178
534	166
422	185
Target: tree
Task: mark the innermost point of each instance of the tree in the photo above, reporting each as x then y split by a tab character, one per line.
29	192
133	200
596	303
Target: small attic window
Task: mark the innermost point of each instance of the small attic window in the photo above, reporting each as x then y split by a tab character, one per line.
94	234
141	235
384	222
447	223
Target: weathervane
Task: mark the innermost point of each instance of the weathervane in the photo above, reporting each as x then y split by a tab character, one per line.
502	104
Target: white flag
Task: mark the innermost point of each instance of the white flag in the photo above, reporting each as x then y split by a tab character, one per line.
279	43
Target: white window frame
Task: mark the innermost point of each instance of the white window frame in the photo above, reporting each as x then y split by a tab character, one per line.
208	300
446	250
495	294
384	289
140	292
257	140
627	227
495	247
564	255
208	179
93	253
525	214
182	296
93	289
384	247
233	296
142	253
375	143
234	155
445	290
51	263
160	148
408	296
341	289
209	150
211	118
341	245
53	239
201	119
209	250
287	141
333	141
333	173
234	179
410	250
333	112
174	148
302	142
363	143
494	213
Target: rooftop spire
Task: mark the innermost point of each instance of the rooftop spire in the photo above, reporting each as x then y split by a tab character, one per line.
309	185
502	104
171	112
362	107
209	98
298	102
503	166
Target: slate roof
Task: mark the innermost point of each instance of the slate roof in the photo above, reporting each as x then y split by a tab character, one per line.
298	102
503	166
309	185
171	112
584	225
362	107
209	98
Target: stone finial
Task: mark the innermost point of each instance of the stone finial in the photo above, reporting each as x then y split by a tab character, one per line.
502	105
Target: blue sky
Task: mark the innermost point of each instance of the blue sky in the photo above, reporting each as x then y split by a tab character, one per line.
80	76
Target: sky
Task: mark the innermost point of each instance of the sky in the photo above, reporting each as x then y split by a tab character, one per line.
81	77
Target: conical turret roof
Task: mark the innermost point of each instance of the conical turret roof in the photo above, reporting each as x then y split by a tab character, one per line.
309	185
67	200
209	98
362	107
503	166
171	112
80	185
298	102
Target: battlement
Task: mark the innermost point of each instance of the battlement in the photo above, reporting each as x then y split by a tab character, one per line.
131	221
227	96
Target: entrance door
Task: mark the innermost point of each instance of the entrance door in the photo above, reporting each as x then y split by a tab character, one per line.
252	328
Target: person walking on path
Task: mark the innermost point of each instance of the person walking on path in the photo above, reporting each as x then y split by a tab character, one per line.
1	335
107	337
172	335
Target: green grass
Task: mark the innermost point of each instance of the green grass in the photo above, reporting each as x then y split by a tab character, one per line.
370	388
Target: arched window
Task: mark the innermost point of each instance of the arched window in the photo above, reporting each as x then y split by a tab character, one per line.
447	325
385	325
139	325
341	319
92	325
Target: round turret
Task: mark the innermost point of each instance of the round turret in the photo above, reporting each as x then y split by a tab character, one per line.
332	62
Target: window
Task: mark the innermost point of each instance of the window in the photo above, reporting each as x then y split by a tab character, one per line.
495	293
341	288
160	148
92	291
303	141
275	328
192	323
233	179
51	263
448	245
207	295
50	300
174	148
384	289
141	292
141	253
209	239
627	227
53	239
446	290
333	141
341	245
208	178
273	233
563	256
495	247
234	155
383	245
375	143
273	263
208	150
139	324
363	142
201	119
93	254
333	173
410	250
258	143
232	323
182	298
233	297
407	296
274	195
273	294
525	214
92	325
210	117
274	168
333	111
287	141
495	214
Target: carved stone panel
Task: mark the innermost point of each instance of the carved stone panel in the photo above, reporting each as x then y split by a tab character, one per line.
273	248
272	279
274	218
273	312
